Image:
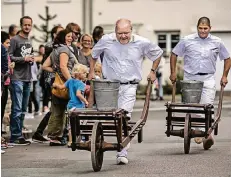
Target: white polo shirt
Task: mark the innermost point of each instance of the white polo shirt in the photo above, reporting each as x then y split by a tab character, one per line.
124	62
200	55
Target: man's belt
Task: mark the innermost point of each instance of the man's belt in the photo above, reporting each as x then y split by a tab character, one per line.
129	82
202	74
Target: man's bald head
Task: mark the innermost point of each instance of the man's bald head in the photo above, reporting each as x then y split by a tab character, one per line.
204	21
123	23
123	30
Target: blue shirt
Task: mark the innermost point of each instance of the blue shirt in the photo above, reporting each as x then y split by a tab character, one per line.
73	86
200	55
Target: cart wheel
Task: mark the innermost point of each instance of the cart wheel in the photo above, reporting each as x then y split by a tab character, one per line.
216	130
140	136
187	129
96	146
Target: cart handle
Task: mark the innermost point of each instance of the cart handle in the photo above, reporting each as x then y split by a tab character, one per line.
144	114
218	115
174	92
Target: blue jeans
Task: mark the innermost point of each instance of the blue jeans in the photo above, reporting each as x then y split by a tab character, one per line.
20	92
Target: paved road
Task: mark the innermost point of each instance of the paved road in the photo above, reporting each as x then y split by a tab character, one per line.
157	156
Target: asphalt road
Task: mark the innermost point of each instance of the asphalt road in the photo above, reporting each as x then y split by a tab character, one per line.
157	156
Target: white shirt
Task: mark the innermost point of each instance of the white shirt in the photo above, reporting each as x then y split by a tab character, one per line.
200	55
124	62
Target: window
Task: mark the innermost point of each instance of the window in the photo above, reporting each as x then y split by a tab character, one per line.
14	1
120	0
167	0
58	1
167	41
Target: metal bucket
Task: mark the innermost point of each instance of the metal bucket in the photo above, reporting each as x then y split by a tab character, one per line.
106	94
191	91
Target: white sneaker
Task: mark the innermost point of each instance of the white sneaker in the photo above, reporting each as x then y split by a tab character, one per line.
2	152
121	160
38	113
29	116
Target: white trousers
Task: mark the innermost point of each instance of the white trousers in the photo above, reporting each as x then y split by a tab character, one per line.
208	91
127	97
126	101
209	87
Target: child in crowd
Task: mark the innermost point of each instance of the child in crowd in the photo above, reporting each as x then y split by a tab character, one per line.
76	89
98	71
98	76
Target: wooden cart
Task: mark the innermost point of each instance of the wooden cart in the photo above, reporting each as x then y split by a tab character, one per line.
190	122
94	125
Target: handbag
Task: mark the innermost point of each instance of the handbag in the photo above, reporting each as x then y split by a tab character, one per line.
60	93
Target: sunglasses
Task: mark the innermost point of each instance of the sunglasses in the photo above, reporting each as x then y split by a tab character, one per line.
77	33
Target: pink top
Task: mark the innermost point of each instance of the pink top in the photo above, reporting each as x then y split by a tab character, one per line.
7	82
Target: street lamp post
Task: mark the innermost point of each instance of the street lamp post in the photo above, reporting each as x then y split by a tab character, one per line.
23	7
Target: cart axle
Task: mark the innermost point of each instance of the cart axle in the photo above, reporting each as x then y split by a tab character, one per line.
192	133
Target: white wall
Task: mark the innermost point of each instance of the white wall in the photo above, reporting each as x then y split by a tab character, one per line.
152	14
66	12
226	38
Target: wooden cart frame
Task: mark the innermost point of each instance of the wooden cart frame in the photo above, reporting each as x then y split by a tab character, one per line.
93	125
189	122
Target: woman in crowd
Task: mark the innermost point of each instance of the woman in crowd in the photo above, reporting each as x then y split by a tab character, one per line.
86	43
60	61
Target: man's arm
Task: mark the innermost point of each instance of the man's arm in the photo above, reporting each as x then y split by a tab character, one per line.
152	74
173	59
92	66
15	59
96	52
227	65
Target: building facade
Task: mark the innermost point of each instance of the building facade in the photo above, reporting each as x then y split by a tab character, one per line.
162	21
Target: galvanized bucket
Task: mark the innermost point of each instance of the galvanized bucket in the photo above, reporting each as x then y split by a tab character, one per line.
106	94
191	91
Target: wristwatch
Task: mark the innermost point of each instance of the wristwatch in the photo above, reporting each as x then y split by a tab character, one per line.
153	70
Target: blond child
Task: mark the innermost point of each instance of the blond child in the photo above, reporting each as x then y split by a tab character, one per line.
76	87
98	71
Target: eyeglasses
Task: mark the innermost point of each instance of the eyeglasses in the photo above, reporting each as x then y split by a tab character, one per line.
87	41
121	33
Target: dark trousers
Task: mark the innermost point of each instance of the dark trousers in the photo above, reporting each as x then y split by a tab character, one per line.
4	99
46	95
33	99
43	124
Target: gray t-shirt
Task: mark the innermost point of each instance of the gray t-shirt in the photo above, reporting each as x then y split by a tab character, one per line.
19	48
56	60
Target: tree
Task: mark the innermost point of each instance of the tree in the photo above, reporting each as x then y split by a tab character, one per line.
44	28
